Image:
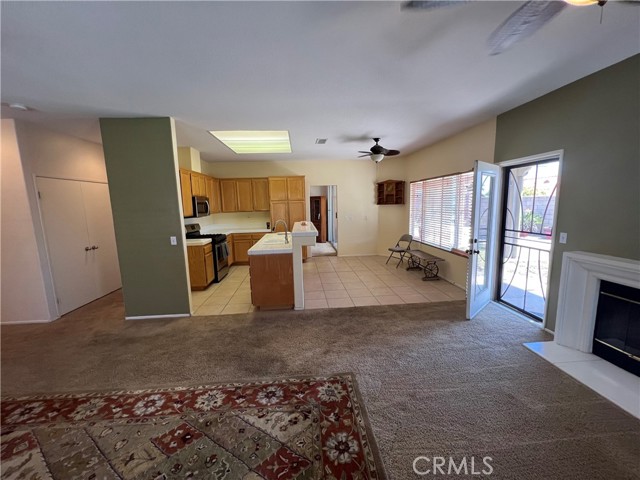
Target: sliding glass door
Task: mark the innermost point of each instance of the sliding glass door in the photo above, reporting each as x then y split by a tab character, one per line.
527	235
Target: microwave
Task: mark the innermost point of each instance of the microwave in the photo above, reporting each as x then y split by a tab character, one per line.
200	206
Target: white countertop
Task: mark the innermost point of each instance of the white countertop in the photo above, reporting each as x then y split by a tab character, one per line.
228	230
196	242
304	229
270	244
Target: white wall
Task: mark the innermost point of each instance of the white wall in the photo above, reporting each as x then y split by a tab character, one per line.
355	179
23	296
49	154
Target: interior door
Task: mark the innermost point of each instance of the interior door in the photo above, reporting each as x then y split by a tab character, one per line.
484	227
102	237
70	254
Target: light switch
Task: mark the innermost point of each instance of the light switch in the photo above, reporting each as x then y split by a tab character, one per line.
563	237
174	240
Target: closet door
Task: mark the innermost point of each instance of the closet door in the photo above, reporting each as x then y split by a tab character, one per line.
102	237
67	238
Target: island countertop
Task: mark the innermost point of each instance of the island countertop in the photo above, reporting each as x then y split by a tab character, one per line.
271	244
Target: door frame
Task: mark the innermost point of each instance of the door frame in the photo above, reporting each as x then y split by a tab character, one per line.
516	162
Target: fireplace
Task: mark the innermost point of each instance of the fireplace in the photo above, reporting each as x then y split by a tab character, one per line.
580	280
616	335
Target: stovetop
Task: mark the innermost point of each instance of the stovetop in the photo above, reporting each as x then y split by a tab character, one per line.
193	231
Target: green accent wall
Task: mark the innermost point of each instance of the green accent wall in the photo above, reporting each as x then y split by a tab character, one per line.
140	156
596	121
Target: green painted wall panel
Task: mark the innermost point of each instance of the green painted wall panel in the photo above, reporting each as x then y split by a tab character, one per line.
140	156
596	121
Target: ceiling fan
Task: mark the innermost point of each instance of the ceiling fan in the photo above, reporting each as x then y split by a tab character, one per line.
522	23
378	152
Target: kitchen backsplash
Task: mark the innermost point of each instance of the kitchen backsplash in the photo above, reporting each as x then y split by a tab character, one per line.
243	220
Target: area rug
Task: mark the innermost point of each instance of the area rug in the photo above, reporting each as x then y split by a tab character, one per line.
297	428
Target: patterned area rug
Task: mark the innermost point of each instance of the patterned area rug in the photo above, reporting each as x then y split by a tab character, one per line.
301	428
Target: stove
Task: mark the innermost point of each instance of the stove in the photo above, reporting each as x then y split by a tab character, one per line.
220	249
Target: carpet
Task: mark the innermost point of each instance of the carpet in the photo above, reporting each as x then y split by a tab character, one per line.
295	428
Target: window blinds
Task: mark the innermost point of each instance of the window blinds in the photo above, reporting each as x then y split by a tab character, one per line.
440	211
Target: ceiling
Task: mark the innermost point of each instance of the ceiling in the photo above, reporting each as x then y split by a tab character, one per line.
345	71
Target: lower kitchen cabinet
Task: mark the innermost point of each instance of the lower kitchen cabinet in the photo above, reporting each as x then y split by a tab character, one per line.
230	258
201	271
272	281
242	242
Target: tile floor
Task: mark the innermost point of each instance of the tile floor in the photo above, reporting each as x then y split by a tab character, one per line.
333	282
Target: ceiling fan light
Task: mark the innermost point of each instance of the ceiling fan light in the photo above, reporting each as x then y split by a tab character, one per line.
377	157
581	3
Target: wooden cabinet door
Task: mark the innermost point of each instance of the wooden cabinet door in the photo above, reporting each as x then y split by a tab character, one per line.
185	187
245	195
260	190
256	237
295	188
240	249
230	258
208	264
280	211
228	195
198	184
213	194
297	212
278	189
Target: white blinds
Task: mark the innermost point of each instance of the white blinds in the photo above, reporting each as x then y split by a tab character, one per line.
440	211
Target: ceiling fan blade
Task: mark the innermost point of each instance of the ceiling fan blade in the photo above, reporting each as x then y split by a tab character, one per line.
522	23
362	151
431	4
366	155
391	153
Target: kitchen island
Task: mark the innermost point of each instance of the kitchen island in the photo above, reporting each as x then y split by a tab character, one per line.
271	272
275	267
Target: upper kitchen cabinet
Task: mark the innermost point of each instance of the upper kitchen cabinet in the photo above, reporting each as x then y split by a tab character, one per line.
185	186
198	184
278	189
244	189
295	188
229	195
213	194
260	190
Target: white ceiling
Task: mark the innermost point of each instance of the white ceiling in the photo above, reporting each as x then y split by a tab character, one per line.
346	71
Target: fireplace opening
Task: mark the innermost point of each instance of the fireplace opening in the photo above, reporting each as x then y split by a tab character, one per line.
617	332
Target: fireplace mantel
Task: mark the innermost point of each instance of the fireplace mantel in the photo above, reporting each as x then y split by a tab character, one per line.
578	295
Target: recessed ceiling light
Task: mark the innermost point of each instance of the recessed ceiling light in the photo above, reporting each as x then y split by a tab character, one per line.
254	141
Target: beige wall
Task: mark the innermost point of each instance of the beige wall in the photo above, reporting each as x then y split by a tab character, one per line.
23	295
454	154
355	180
47	154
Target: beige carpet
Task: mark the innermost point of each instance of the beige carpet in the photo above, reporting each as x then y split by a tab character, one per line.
433	384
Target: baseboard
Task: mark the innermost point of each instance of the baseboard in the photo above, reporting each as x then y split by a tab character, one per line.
28	322
148	317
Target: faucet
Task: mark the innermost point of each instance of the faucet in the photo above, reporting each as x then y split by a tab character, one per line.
286	235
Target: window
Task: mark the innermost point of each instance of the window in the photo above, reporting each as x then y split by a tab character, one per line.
440	211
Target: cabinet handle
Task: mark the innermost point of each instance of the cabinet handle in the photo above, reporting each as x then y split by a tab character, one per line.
94	247
86	249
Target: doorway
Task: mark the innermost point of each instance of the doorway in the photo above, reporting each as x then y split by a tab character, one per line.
323	214
528	216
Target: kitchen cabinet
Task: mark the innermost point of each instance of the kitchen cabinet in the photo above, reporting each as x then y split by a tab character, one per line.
185	188
230	258
260	191
213	194
228	195
242	242
278	189
201	271
295	188
279	211
244	191
198	184
255	237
